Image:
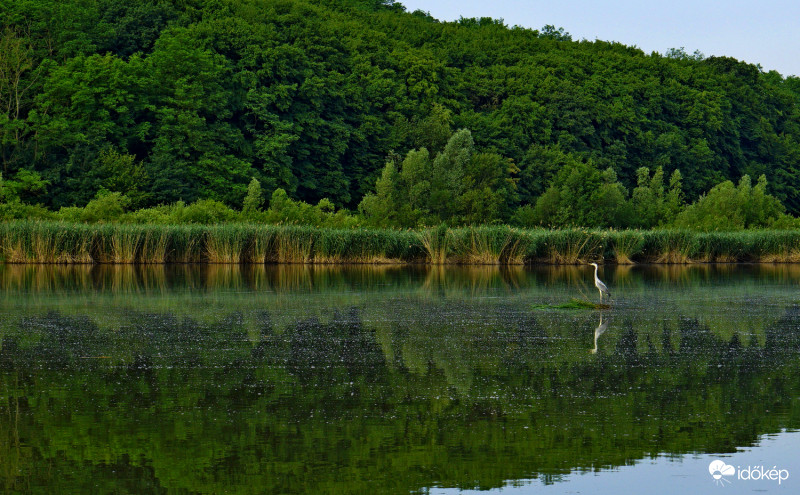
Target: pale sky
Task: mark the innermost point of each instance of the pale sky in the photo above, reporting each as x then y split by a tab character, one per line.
765	32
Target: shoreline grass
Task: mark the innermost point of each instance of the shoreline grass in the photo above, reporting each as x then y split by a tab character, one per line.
72	243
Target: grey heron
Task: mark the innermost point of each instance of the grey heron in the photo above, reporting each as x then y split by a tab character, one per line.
599	284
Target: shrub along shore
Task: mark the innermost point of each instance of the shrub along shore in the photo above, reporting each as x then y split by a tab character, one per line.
60	242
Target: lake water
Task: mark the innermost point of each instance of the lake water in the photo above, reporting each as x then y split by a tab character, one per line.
314	379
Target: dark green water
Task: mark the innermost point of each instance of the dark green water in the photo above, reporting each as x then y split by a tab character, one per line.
394	379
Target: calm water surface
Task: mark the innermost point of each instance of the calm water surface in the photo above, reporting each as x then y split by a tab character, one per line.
295	379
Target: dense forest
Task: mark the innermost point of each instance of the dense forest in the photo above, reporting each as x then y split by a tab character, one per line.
395	116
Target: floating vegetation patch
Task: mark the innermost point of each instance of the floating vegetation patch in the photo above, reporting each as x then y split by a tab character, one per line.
573	304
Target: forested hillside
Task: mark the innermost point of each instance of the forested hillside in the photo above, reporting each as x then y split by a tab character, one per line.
190	99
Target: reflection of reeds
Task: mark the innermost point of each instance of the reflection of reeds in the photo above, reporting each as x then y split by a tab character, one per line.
570	274
161	280
120	279
290	278
785	273
13	453
21	278
223	275
475	279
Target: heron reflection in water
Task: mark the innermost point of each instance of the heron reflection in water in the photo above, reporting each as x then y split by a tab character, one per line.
601	328
599	284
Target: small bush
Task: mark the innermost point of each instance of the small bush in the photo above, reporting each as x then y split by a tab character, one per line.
205	211
155	215
729	208
106	207
16	210
283	210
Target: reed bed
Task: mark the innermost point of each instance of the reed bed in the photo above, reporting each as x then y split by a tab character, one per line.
488	246
727	247
37	242
67	243
574	246
777	247
155	246
186	243
262	243
229	243
478	245
671	246
626	245
125	242
293	244
436	244
365	246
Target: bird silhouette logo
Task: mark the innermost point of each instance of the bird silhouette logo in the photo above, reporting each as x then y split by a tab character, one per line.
718	470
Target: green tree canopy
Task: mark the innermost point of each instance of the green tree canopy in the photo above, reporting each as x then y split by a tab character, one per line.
310	96
729	207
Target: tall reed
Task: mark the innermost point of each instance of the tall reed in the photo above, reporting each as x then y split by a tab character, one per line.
45	242
517	246
477	245
293	244
126	242
229	243
777	246
436	244
262	243
338	247
574	246
155	244
726	247
116	243
362	246
187	244
625	245
54	242
671	246
488	245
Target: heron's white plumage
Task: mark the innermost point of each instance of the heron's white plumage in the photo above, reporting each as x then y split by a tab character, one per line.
599	283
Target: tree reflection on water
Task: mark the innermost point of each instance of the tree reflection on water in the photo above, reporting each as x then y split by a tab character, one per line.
262	383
